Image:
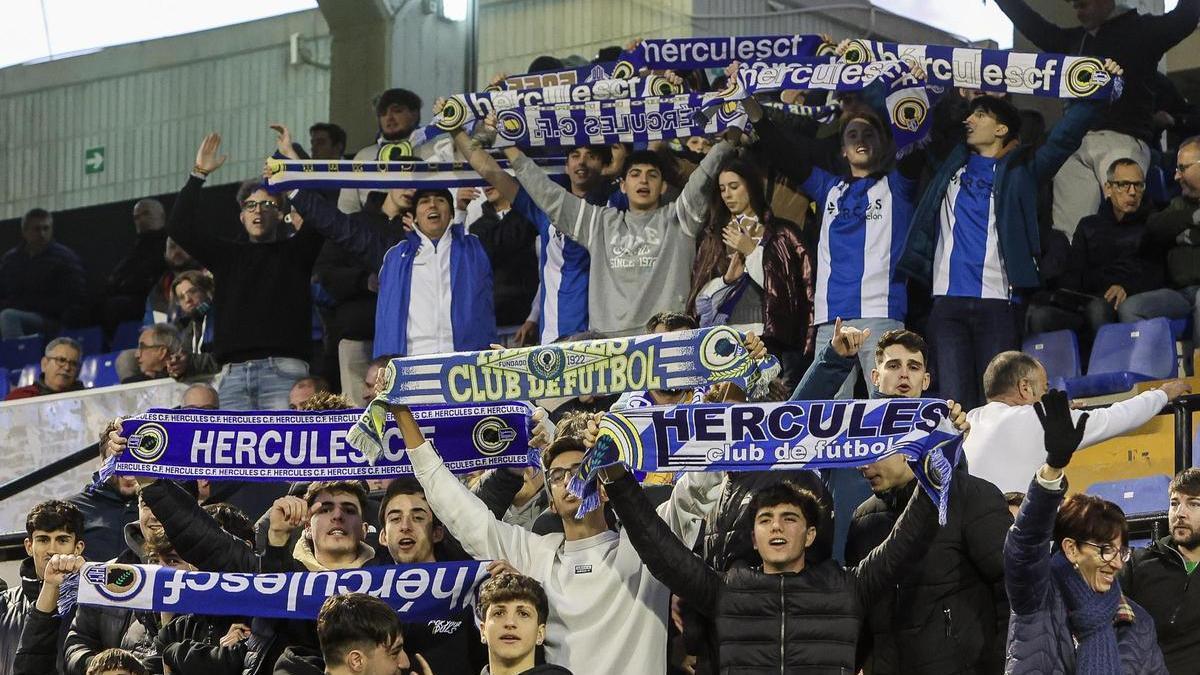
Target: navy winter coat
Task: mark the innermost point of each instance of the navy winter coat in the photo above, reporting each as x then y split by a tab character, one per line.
1039	634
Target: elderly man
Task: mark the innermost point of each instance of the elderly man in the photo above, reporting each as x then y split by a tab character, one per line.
1006	442
1138	42
60	371
1177	229
155	347
200	396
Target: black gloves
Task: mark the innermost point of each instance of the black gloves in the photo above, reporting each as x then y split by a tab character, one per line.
1063	434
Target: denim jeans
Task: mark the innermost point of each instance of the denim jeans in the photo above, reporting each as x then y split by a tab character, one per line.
966	333
1168	302
15	323
261	384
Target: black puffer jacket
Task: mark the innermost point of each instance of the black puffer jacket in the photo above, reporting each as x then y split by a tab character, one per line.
15	604
1157	580
949	613
726	544
805	623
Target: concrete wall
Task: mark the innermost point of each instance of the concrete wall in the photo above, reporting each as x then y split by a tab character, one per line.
148	105
513	32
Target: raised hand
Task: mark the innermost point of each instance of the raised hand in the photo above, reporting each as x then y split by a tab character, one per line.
543	430
847	340
283	141
60	566
464	196
287	514
207	159
957	417
1113	68
754	345
1062	433
485	131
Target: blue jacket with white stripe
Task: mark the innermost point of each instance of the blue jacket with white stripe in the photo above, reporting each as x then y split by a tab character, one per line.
1018	173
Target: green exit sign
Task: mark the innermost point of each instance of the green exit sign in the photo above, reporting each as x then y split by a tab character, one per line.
93	160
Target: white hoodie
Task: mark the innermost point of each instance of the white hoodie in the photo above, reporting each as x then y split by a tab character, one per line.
607	613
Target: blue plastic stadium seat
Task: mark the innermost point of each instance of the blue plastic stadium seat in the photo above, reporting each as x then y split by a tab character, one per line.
29	374
1181	328
1057	350
100	370
1125	354
91	338
1136	496
16	352
125	336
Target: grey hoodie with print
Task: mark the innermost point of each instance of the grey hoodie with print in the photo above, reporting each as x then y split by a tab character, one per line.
641	262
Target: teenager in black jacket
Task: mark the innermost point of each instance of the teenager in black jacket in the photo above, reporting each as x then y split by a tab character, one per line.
784	616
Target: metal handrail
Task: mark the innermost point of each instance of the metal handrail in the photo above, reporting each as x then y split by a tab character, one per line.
58	466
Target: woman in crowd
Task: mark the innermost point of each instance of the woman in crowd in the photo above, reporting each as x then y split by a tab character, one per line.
1069	615
752	270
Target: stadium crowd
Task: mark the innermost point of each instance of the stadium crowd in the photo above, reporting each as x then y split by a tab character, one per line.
867	274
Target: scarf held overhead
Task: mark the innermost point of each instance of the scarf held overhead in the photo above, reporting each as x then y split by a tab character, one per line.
995	70
419	592
290	446
637	120
680	360
289	174
777	436
457	109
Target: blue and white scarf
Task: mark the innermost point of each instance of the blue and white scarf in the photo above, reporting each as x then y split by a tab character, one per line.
907	104
419	592
636	120
592	73
996	70
718	52
459	108
291	174
306	446
768	436
679	360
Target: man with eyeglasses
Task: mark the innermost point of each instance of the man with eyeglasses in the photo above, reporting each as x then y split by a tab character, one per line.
1007	443
1138	41
263	339
1176	229
1110	260
1159	576
156	345
60	371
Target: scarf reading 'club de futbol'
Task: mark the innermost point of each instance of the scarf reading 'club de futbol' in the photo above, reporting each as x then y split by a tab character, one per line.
306	446
418	592
792	435
679	360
